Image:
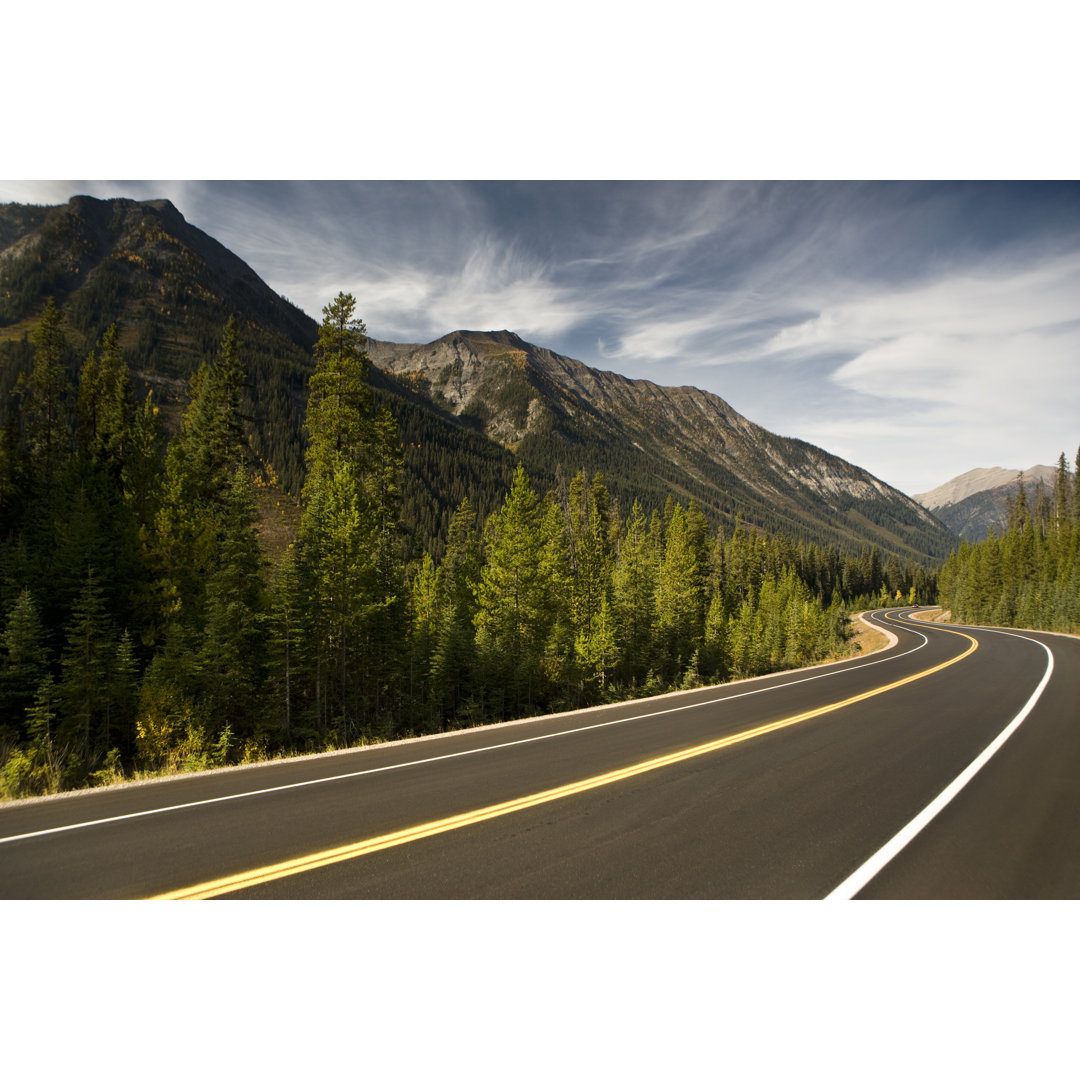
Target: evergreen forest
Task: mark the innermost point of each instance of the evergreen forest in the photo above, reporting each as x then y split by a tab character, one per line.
147	625
1029	576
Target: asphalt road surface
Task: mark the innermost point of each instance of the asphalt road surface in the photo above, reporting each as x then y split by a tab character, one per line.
943	766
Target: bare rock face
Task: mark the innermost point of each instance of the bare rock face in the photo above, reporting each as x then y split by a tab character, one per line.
977	480
481	375
519	393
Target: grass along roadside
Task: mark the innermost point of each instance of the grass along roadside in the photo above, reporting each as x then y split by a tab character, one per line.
864	637
934	614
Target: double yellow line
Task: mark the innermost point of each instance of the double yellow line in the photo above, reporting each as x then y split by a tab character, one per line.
274	872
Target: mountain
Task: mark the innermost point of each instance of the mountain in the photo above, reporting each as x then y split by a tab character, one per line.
468	405
979	499
558	415
171	288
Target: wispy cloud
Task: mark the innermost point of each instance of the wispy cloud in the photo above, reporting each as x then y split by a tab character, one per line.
918	329
972	365
1000	302
490	287
979	367
1000	344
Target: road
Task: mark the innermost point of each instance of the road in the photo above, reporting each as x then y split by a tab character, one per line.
798	785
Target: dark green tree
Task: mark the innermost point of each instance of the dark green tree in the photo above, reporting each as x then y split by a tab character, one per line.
105	406
349	549
285	639
24	662
231	663
199	468
634	587
86	662
45	395
453	656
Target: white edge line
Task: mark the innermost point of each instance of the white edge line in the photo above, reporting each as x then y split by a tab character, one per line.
477	750
840	667
882	629
852	885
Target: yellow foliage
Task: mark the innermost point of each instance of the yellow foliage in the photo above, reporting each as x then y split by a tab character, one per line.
164	718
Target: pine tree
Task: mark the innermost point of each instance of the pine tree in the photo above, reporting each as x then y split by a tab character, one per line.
634	587
45	393
213	440
141	474
596	646
1061	495
714	656
744	639
453	659
423	628
1018	509
84	687
23	662
349	547
340	574
105	406
387	623
97	524
285	644
45	760
122	691
560	672
199	467
1076	491
339	407
678	596
231	658
591	552
511	614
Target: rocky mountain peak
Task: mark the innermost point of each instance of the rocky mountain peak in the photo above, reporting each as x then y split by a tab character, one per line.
979	499
976	480
534	401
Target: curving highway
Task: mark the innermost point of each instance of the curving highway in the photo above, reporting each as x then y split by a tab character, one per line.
944	766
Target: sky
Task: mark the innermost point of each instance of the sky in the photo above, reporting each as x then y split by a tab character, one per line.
916	329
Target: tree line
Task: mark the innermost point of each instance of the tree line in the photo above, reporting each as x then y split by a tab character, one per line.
1029	574
144	628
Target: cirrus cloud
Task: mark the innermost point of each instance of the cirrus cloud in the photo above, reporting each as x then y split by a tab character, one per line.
821	311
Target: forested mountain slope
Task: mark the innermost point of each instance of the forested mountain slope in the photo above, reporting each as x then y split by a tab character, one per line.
171	289
468	406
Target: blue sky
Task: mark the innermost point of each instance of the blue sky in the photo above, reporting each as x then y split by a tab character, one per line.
916	329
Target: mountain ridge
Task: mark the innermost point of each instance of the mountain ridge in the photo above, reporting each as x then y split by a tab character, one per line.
171	288
522	394
468	404
978	480
979	499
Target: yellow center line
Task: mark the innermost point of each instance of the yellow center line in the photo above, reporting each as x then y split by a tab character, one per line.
261	875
